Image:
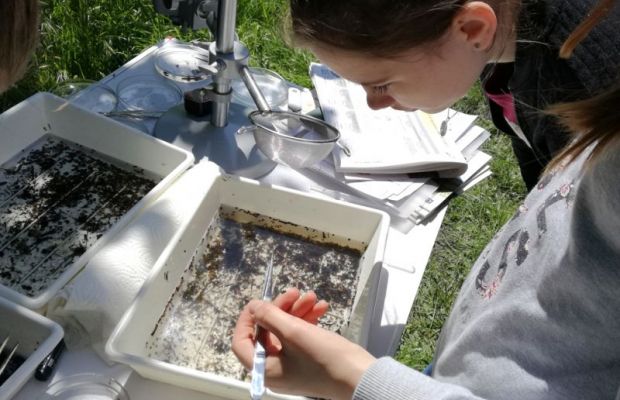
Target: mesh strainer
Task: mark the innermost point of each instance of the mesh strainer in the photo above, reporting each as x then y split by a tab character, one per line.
291	139
295	140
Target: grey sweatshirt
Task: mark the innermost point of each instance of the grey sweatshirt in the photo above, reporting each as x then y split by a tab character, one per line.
538	317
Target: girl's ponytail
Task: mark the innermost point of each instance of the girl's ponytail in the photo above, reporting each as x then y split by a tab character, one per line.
598	13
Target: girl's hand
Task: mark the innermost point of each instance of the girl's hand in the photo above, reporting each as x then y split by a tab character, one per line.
302	358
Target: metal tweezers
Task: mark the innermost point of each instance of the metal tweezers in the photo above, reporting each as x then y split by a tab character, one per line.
134	113
257	387
4	364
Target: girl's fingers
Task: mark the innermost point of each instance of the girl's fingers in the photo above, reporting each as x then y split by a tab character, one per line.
303	305
286	300
317	312
286	310
272	344
273	319
243	337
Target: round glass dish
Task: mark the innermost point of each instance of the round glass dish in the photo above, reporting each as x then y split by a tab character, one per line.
86	387
272	86
147	93
66	89
88	95
180	63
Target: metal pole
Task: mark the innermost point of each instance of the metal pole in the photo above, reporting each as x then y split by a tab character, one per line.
253	88
226	20
224	44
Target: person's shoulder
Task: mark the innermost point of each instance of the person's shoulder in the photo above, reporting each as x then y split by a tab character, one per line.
601	180
606	164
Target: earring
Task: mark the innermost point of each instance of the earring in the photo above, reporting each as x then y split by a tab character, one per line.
477	45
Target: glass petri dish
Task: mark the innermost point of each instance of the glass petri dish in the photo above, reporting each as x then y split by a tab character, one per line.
66	89
86	387
147	93
180	63
271	84
88	95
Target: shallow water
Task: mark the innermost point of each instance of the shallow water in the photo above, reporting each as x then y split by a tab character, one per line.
227	270
56	200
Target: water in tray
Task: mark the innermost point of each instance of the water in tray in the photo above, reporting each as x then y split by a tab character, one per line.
227	271
56	199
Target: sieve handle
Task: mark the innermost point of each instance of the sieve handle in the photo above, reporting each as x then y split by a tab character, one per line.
255	92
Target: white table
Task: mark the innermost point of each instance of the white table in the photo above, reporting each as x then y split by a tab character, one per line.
406	257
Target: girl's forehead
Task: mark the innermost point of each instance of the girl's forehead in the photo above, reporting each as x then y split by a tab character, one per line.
365	68
408	56
356	68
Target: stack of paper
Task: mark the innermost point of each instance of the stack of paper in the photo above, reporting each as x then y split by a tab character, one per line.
406	163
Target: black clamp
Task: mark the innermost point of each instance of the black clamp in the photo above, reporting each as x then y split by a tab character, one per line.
199	102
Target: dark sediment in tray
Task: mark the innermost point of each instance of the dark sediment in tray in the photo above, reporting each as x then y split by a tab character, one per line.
14	363
56	200
227	270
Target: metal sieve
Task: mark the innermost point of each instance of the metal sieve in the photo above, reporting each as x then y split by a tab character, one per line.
295	140
288	138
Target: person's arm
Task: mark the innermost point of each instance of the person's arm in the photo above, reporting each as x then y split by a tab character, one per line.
304	359
389	379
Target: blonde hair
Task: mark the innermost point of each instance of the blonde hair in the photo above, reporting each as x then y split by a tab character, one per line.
19	32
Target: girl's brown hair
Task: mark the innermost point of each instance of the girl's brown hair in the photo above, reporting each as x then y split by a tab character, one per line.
379	28
19	31
595	120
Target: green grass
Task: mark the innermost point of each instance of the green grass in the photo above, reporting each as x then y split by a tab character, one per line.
90	38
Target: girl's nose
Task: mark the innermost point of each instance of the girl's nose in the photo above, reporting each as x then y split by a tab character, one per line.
379	101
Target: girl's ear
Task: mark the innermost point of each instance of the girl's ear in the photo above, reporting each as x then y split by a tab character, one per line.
476	25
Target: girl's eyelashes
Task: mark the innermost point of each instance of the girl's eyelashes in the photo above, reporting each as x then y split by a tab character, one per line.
380	89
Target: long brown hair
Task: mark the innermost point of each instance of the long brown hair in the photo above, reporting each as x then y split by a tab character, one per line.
594	120
19	32
381	28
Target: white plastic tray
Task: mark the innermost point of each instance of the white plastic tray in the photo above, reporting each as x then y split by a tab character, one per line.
43	114
127	342
37	337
